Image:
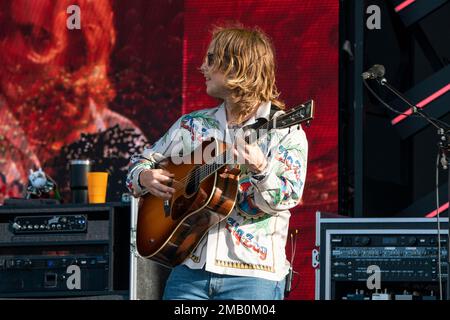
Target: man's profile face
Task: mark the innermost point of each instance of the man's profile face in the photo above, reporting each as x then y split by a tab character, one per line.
214	79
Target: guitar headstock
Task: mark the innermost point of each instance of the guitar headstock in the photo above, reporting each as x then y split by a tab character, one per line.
298	114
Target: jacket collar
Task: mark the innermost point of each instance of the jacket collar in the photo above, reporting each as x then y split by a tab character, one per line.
263	111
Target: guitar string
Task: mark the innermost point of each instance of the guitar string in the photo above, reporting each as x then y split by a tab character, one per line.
205	171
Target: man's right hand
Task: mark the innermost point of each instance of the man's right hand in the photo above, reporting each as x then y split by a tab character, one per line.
155	181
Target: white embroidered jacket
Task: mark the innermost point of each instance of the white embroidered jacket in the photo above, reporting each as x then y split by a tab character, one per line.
251	241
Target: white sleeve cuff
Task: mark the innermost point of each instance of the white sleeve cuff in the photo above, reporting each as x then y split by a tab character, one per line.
270	181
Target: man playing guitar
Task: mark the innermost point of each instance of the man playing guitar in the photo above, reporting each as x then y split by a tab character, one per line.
243	256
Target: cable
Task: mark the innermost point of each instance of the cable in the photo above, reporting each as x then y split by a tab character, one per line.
417	113
445	124
293	246
426	117
297	282
431	120
438	226
288	285
385	104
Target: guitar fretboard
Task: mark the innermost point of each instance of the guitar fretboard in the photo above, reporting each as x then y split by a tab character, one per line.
298	115
224	158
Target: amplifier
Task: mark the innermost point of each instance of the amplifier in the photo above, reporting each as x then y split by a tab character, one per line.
379	258
64	250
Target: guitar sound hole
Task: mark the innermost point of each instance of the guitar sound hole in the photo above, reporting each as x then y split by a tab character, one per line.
193	183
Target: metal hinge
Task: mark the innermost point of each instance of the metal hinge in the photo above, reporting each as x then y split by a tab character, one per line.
315	258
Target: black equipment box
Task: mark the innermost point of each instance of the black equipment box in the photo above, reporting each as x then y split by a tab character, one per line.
64	250
401	252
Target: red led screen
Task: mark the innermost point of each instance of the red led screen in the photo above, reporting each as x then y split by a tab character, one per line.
132	69
305	36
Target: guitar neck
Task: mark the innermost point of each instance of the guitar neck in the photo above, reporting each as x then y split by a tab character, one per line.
226	157
302	113
208	169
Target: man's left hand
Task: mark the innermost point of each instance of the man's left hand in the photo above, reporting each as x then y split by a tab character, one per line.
250	154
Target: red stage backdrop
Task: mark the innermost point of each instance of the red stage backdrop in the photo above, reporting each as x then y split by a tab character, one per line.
104	91
305	36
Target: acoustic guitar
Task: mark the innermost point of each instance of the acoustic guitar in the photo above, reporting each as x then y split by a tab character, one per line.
169	231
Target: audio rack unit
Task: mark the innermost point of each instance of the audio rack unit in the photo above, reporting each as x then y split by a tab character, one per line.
400	253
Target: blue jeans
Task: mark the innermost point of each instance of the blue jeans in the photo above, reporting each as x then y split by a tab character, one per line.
198	284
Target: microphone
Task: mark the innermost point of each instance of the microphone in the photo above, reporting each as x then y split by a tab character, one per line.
375	72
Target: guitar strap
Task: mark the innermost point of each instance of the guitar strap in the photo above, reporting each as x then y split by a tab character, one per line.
273	109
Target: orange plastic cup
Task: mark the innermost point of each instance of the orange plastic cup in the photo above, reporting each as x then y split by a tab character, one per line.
97	186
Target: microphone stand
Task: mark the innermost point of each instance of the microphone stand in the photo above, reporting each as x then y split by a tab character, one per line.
444	150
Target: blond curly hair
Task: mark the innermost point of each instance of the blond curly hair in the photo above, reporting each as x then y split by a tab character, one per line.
246	57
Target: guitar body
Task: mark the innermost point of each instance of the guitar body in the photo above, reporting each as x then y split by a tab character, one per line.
169	234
